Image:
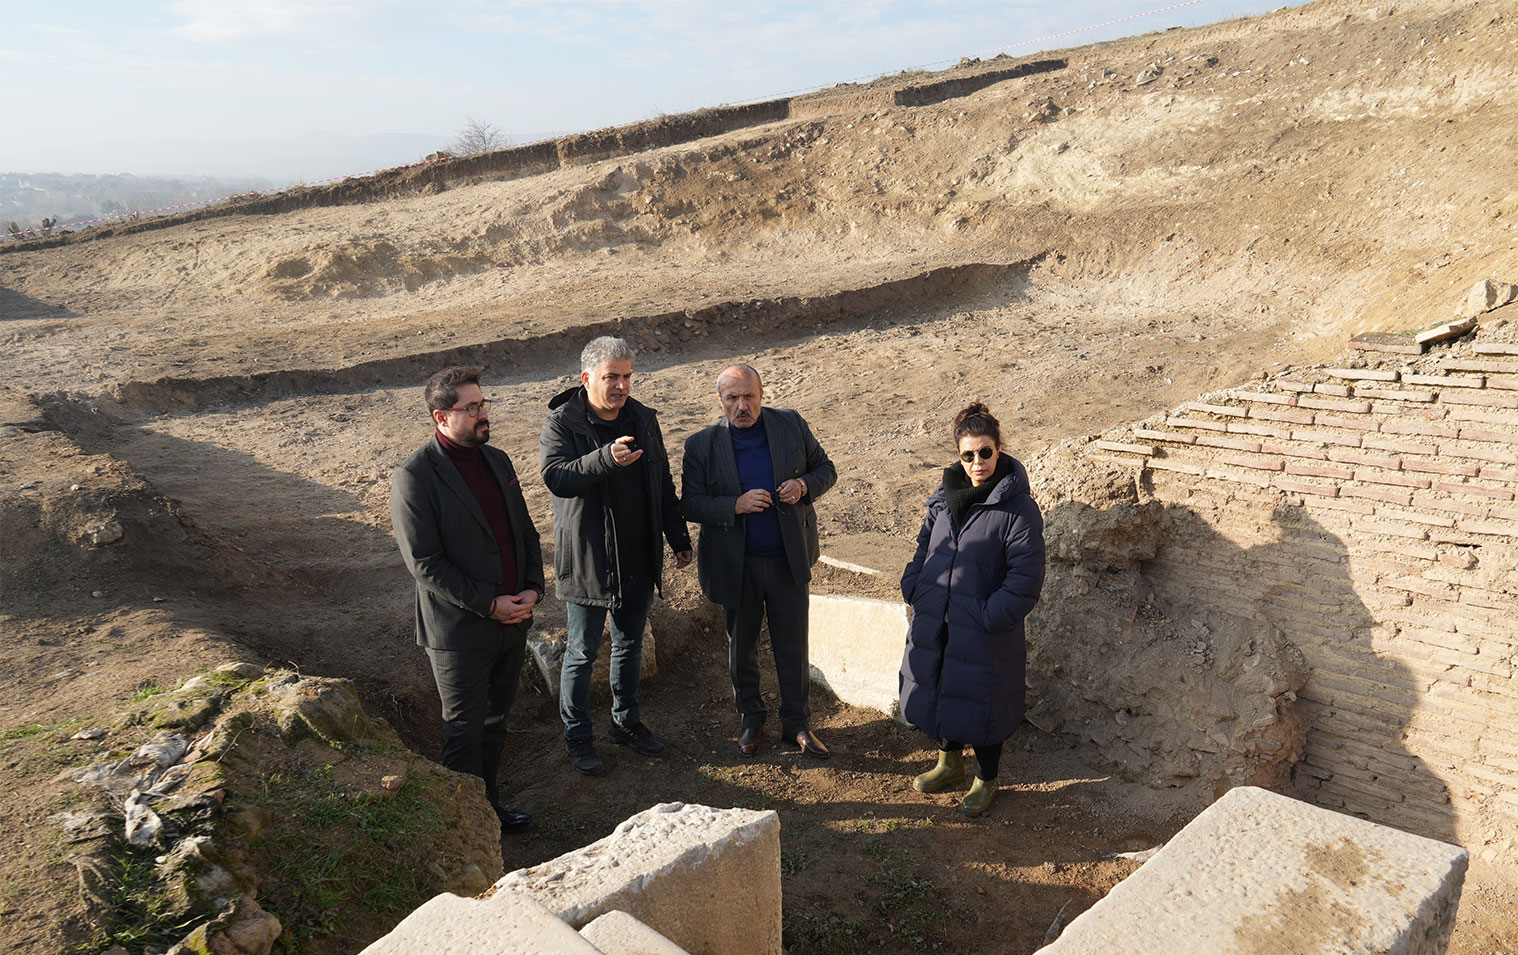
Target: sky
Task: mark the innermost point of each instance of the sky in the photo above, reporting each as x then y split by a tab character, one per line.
299	90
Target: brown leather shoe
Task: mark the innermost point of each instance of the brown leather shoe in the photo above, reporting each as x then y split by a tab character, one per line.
811	745
749	739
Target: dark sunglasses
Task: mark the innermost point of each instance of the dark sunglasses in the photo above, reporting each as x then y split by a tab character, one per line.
985	454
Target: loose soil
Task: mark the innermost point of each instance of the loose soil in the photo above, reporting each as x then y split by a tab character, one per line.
235	391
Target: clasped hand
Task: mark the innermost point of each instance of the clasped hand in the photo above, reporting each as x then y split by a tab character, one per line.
752	502
514	608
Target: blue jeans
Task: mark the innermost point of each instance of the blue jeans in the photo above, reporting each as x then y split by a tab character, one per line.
585	624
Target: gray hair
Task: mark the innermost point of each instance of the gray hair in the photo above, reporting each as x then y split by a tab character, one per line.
604	349
745	370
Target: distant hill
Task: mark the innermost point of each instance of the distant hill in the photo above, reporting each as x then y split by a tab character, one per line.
27	198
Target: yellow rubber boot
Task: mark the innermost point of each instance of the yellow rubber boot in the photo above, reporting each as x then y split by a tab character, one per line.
950	771
982	793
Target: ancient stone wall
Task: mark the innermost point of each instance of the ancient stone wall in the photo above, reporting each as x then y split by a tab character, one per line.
1361	516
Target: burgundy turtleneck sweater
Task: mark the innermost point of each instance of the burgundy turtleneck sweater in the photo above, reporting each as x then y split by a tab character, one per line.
477	474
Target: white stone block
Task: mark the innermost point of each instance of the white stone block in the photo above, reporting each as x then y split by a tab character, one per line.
707	879
1260	874
855	644
508	923
617	933
546	652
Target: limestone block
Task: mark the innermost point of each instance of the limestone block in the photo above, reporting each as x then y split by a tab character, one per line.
546	650
707	879
508	923
855	645
1259	874
1487	295
617	933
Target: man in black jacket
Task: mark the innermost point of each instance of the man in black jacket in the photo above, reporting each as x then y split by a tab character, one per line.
603	458
465	535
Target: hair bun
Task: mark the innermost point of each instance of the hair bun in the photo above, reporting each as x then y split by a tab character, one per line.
977	419
972	410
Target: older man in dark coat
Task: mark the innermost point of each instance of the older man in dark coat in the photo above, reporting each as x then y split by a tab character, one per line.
464	533
749	480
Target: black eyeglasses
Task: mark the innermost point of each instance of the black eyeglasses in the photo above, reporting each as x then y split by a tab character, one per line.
474	409
985	454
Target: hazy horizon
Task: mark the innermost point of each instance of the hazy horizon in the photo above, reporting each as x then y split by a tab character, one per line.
296	91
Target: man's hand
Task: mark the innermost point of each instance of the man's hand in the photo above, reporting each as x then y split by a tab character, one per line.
752	502
622	454
683	558
514	608
791	491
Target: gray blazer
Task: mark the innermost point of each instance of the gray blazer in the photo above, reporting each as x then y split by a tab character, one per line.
448	547
710	489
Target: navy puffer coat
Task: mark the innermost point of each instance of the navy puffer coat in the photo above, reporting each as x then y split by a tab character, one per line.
962	677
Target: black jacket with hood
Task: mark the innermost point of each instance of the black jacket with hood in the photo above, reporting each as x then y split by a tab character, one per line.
576	460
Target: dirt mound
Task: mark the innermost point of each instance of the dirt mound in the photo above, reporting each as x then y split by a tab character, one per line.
1184	698
357	269
239	803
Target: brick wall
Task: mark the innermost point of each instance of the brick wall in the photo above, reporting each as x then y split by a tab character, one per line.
1368	515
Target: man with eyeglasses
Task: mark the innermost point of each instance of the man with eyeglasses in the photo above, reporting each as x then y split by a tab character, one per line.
465	534
749	480
602	456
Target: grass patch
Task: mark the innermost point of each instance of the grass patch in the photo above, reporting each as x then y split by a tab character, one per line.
335	855
884	826
25	732
146	691
909	902
38	729
140	916
793	861
818	930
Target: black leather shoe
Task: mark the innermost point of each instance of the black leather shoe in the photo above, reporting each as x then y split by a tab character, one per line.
810	745
582	752
749	739
513	821
637	736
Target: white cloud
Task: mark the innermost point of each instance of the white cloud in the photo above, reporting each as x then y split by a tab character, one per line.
290	22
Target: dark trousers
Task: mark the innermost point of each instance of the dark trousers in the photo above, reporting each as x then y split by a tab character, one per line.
770	590
477	688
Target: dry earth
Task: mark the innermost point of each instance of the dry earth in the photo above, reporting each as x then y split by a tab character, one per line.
1081	248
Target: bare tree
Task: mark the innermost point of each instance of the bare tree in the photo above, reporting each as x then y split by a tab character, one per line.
478	137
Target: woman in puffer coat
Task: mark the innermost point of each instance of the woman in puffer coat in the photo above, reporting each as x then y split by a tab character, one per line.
977	573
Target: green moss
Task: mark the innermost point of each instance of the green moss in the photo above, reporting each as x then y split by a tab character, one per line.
185	714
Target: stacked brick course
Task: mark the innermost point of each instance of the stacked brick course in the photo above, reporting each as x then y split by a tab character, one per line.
1370	514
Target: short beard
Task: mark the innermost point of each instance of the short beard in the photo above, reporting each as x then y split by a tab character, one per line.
474	439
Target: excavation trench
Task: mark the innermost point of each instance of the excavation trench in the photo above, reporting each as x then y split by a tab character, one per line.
731	325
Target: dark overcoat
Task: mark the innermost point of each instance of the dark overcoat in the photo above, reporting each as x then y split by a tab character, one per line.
447	545
710	489
963	673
